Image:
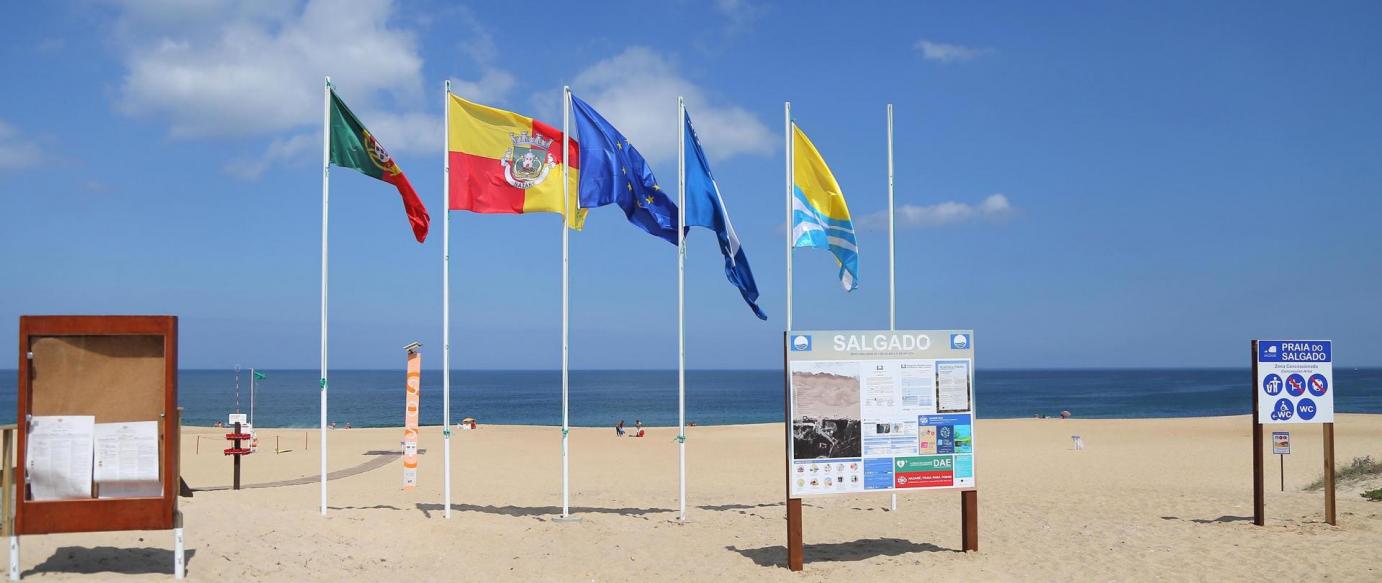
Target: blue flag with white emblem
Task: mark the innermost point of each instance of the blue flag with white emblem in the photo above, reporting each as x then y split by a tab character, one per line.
705	208
612	171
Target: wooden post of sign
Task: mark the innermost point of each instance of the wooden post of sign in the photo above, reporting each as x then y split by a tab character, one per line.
795	550
1329	486
237	456
1259	494
969	520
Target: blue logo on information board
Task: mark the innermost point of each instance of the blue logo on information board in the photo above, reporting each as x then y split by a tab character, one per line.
1294	351
1295	385
801	343
1306	409
1272	385
959	341
1283	411
1317	386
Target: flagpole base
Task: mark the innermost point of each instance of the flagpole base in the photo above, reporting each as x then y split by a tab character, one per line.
567	519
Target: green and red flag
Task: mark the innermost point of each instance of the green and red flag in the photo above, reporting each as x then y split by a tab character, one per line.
353	146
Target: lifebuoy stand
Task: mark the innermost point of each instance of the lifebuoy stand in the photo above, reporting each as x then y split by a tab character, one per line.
115	369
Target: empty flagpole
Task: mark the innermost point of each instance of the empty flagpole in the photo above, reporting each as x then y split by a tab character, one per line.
892	289
565	292
787	123
446	298
326	204
681	298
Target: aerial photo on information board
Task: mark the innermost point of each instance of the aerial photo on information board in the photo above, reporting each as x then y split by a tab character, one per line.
826	422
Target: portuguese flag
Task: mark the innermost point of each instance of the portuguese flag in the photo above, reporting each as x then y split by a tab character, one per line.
353	146
502	162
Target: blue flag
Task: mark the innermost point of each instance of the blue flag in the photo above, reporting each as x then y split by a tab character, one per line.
705	208
612	171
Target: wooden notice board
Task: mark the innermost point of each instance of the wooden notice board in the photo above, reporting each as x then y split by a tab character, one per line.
117	369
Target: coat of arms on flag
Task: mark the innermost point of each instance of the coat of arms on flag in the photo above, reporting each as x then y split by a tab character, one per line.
527	163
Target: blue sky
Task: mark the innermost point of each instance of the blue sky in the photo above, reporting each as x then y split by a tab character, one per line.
1086	185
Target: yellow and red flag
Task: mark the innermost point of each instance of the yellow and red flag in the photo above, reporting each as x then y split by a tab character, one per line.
503	162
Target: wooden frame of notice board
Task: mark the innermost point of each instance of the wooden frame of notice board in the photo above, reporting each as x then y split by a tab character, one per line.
116	369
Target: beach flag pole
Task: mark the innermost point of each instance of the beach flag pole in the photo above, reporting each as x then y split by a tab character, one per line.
787	122
565	296
681	299
892	250
326	204
446	299
794	540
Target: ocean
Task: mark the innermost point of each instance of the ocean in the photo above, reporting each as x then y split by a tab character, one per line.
601	398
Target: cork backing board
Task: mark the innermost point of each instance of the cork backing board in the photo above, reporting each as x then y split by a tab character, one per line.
115	378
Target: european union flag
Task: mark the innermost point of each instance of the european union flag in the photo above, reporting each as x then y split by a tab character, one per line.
612	171
705	208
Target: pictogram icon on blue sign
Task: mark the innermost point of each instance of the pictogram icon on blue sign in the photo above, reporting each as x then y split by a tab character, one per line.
1283	411
1306	409
1318	385
1272	385
1295	385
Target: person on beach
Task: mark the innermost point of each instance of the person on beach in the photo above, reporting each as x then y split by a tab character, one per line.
619	429
638	428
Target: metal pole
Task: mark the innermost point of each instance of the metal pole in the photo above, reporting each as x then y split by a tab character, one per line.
787	123
565	296
681	299
892	250
251	397
446	299
326	204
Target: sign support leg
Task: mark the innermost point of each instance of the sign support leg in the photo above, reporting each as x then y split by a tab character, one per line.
179	556
1329	485
795	551
1259	495
969	520
14	557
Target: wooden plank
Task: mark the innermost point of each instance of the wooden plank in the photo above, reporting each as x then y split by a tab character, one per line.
1330	487
969	520
7	467
1259	488
795	548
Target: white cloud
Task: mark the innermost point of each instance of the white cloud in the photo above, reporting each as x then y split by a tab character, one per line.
493	86
223	69
17	151
740	14
995	207
948	53
280	150
637	91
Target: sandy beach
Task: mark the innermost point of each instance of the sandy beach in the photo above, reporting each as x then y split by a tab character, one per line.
1146	500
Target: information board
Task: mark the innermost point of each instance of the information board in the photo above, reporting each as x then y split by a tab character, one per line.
1296	380
876	411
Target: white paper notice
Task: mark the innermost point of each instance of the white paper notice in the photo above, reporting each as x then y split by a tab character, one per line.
59	456
952	386
127	452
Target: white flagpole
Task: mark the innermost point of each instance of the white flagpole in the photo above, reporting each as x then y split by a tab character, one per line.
251	397
892	288
446	298
787	123
326	204
681	298
565	293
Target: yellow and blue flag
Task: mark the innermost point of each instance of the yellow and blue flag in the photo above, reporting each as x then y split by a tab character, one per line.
612	171
820	217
